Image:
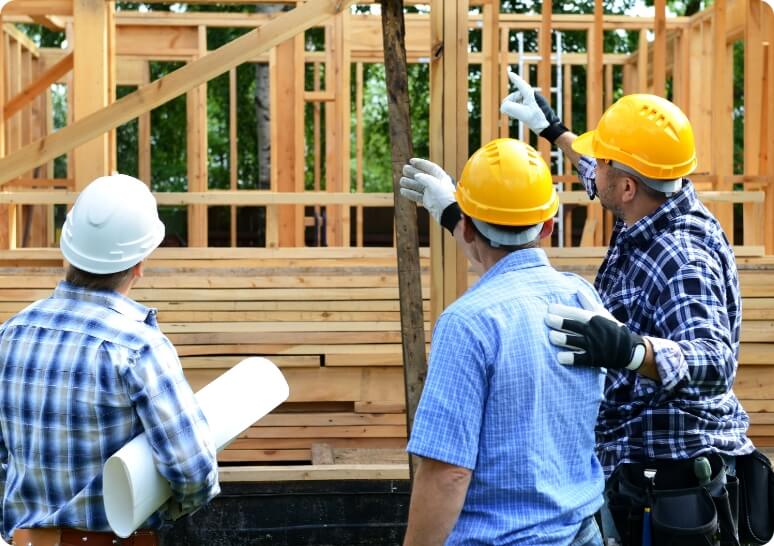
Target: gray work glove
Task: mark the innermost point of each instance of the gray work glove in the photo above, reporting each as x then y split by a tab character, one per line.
594	337
532	109
428	184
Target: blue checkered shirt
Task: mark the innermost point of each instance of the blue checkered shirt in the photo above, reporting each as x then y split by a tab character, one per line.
672	277
81	374
497	402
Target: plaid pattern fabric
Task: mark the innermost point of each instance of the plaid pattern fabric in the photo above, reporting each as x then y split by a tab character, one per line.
81	374
496	401
672	277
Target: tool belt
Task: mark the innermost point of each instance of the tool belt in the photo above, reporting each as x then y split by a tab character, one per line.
55	536
682	511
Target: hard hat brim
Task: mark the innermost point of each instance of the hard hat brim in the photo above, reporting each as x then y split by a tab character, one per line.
583	144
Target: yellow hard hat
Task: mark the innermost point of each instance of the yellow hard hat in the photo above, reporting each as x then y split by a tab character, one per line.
507	183
646	133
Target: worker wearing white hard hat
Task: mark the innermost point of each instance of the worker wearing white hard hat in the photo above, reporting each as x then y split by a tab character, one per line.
85	371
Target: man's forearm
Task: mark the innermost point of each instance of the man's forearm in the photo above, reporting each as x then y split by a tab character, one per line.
436	501
564	143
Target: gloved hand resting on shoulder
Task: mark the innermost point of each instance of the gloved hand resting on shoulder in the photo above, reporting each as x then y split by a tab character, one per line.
532	109
594	337
428	184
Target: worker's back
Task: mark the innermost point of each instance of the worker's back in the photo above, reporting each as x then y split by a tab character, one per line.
535	476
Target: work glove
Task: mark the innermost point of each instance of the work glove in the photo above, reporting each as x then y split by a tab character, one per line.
532	109
428	184
594	337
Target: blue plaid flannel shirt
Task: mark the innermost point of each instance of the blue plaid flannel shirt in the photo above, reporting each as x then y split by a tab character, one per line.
672	277
81	374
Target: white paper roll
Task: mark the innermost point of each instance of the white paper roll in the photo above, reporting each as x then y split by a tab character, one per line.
132	487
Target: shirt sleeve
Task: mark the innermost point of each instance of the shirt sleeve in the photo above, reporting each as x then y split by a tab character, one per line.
450	413
174	424
587	171
697	349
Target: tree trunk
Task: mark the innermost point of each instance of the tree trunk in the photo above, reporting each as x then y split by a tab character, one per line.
407	244
262	117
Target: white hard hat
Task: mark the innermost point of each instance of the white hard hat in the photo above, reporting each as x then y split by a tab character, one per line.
113	226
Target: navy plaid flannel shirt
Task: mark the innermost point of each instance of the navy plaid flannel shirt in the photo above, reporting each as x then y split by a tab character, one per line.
672	277
81	374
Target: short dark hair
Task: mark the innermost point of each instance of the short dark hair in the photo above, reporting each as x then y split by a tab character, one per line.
95	281
508	229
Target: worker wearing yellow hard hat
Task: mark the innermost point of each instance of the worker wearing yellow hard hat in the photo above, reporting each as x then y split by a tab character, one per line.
670	329
505	435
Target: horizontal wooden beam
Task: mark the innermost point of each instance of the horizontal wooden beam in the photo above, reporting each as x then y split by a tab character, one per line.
164	89
251	198
29	93
314	472
38	7
51	22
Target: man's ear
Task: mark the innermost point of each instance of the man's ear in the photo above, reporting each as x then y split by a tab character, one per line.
628	188
138	270
548	228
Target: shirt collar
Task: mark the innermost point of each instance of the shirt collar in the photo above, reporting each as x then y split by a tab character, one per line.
645	229
112	300
520	259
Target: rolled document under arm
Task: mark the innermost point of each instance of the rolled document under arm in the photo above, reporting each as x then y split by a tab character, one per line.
133	489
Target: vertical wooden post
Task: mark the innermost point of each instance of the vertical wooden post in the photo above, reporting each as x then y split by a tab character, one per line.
233	155
753	105
316	147
196	114
111	83
659	50
91	82
448	137
491	72
407	243
504	82
337	119
286	74
144	136
642	62
4	240
359	150
681	73
594	100
544	69
767	135
722	120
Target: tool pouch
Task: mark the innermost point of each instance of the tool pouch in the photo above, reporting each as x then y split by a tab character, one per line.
683	512
756	480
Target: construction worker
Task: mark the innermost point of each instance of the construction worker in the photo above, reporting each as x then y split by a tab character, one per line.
505	435
670	341
85	371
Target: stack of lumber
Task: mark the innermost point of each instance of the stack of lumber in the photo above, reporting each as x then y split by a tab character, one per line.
330	319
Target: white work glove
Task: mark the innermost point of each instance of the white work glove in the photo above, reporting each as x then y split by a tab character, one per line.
532	109
594	337
426	183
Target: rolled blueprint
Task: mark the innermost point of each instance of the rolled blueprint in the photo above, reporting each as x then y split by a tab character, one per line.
132	487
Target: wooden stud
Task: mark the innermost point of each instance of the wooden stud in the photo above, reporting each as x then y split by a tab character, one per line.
286	70
722	105
642	62
594	82
196	117
144	136
233	149
753	102
491	72
505	121
359	144
659	50
544	69
91	83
